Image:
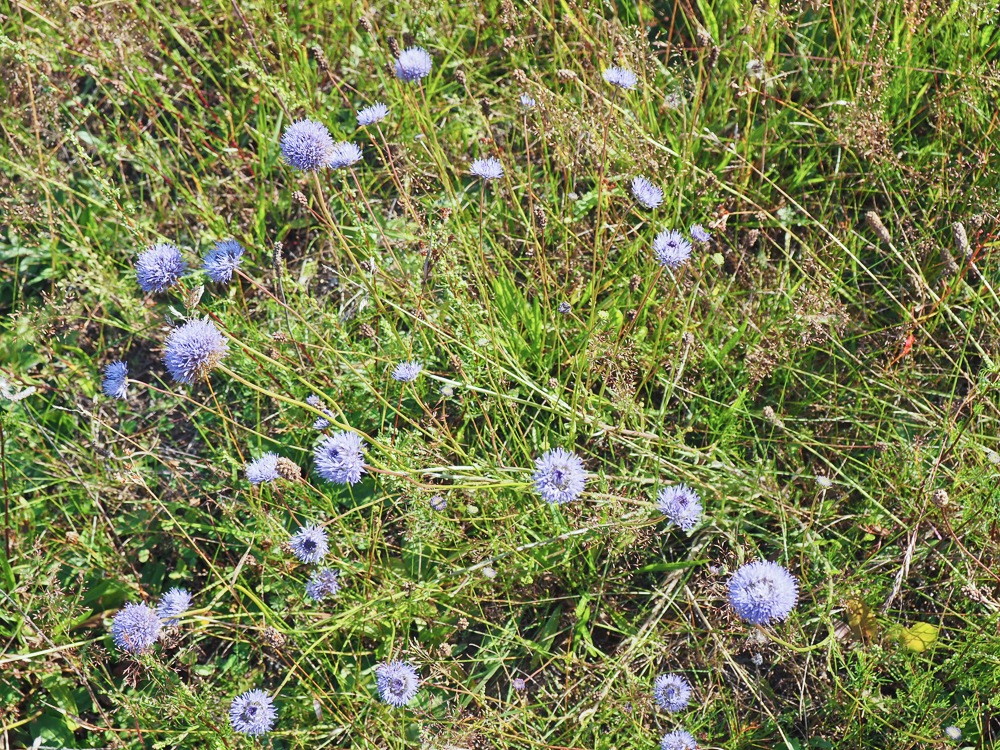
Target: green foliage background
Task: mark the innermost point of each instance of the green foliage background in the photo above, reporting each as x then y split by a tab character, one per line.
821	379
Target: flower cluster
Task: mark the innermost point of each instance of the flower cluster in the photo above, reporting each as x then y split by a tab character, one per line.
763	592
559	476
397	682
339	458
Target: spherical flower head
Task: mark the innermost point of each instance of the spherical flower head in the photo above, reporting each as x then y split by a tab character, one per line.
159	267
407	372
527	102
953	733
671	249
115	383
519	684
672	692
252	713
372	114
489	168
681	505
646	193
324	583
173	604
344	154
397	682
438	503
565	308
699	234
193	350
306	145
762	592
622	78
309	544
413	64
559	476
339	458
135	628
679	740
264	469
222	261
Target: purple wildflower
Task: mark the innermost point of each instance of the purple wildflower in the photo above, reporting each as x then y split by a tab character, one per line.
559	476
309	544
135	628
173	604
193	350
371	114
222	261
672	692
487	169
698	233
681	505
646	193
679	740
264	469
252	713
115	382
324	583
762	592
159	267
397	682
306	145
339	458
413	64
622	78
671	249
407	372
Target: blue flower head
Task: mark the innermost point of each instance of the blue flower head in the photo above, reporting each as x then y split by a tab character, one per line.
306	145
344	154
519	684
264	469
487	169
565	308
671	249
321	423
646	193
763	592
159	267
438	503
324	583
309	544
372	114
527	101
339	458
413	64
193	350
622	78
222	261
397	682
407	372
679	740
135	628
672	692
698	233
115	383
681	505
173	604
559	476
252	713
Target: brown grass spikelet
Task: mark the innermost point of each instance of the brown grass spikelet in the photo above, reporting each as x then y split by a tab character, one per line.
874	222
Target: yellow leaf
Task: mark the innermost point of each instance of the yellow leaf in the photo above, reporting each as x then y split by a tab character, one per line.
918	638
861	620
